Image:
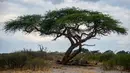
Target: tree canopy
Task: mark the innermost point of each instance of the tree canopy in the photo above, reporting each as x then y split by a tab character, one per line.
78	25
56	21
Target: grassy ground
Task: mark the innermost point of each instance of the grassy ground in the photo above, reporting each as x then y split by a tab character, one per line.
28	61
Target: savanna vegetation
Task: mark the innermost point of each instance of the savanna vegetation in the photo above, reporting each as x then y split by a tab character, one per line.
106	60
77	25
28	59
40	60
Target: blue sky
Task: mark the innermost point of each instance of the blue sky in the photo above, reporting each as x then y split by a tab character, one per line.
10	9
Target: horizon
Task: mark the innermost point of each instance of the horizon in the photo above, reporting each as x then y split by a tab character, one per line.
49	51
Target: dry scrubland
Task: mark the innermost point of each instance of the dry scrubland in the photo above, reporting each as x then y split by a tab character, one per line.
27	61
67	22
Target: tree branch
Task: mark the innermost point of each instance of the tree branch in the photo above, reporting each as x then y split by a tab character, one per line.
37	29
58	35
96	38
83	34
69	35
90	35
88	45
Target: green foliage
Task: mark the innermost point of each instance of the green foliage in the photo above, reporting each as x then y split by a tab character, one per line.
87	55
108	59
119	60
94	57
25	23
123	52
109	64
123	60
84	50
107	55
54	22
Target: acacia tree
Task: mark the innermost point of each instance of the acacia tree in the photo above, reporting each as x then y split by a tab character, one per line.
77	25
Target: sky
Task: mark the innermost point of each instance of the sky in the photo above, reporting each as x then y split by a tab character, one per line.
10	9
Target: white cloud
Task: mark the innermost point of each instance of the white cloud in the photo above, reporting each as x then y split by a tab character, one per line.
122	14
36	38
36	2
11	10
32	1
124	1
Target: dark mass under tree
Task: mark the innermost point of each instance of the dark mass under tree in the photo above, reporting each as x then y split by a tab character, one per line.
77	25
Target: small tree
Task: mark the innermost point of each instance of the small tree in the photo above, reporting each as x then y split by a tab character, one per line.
75	24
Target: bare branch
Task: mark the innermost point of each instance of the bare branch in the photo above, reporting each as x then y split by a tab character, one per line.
88	45
58	35
37	29
96	38
74	38
90	35
83	34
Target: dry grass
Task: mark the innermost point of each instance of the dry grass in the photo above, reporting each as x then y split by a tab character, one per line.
64	69
26	71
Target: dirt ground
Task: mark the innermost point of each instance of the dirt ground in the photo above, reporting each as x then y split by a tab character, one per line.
68	69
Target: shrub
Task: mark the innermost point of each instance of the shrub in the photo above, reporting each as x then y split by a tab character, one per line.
14	60
107	65
37	63
106	57
123	60
119	61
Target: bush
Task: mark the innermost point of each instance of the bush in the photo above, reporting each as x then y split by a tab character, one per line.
106	57
119	61
27	58
14	60
107	65
37	63
123	60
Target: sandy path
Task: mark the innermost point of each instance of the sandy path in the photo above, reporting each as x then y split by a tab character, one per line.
68	69
72	69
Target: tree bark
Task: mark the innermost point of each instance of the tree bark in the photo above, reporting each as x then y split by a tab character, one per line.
69	54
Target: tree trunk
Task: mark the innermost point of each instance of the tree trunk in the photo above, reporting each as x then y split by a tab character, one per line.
69	55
